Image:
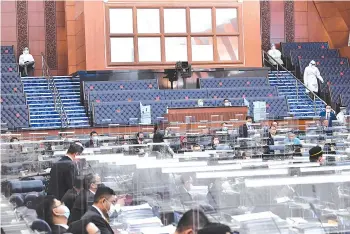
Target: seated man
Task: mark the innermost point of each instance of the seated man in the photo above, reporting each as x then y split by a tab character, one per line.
94	141
191	221
329	115
227	102
316	154
86	197
55	213
69	197
215	228
26	62
291	139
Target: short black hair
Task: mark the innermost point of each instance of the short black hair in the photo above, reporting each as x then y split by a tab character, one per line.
44	209
93	132
215	228
103	192
248	117
13	139
88	180
138	134
78	182
226	99
195	219
75	147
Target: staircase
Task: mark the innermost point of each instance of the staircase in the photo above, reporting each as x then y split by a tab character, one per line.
41	102
300	103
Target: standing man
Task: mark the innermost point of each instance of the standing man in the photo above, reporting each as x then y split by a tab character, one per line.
64	171
311	74
244	129
329	115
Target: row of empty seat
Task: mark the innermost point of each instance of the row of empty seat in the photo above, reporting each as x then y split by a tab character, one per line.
14	109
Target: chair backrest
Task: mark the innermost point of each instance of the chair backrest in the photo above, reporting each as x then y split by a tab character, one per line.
337	90
185	94
10	77
8	58
328	62
312	54
17	199
9	67
11	88
334	71
41	226
13	99
15	116
233	82
7	50
17	186
266	91
288	46
276	107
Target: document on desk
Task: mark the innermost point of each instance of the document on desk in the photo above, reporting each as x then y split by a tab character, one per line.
139	207
170	229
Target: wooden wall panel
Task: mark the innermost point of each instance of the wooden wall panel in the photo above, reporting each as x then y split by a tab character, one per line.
277	33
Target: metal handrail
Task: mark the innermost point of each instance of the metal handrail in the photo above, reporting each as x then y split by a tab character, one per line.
59	107
297	82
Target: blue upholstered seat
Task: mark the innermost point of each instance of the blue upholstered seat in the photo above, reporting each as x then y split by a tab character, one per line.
233	82
158	109
40	226
327	62
266	91
286	47
13	99
337	90
295	55
15	116
7	50
9	67
191	103
185	94
8	58
338	71
11	88
276	107
10	77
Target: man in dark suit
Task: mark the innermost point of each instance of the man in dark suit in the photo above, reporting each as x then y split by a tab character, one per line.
69	197
104	202
85	199
94	141
64	171
329	115
55	214
244	129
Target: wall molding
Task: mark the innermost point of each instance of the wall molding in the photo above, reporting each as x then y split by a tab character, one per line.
289	28
22	25
50	34
265	15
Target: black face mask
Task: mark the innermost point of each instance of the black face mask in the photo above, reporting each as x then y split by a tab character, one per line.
100	185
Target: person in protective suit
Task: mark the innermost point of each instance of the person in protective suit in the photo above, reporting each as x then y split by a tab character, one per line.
311	74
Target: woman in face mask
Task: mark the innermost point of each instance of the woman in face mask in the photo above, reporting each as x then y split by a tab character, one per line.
55	213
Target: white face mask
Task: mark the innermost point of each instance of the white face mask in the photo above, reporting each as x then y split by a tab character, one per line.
343	111
227	104
200	103
66	211
95	138
224	128
25	51
249	123
112	209
328	110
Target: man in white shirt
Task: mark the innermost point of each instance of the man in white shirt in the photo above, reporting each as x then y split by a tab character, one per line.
26	62
341	115
276	55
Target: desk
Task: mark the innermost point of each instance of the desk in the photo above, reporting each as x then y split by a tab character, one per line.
207	113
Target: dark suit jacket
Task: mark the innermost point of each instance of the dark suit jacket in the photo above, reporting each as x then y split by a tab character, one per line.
90	144
95	217
56	229
243	131
332	117
62	176
69	198
84	200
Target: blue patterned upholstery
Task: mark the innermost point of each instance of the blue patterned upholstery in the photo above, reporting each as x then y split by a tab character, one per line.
337	90
90	86
266	91
158	109
13	99
345	100
312	54
15	116
10	77
115	112
233	82
7	50
8	58
40	225
185	94
127	95
9	67
339	71
192	103
11	88
288	46
329	62
234	101
276	107
337	80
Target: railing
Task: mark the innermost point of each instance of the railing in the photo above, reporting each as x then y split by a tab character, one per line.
59	107
298	83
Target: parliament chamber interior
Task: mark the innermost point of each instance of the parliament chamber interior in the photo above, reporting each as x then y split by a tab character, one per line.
184	117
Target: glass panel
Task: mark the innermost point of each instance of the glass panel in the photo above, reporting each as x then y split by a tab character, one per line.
202	48
148	21
122	50
149	49
174	26
228	48
120	20
226	20
175	49
201	20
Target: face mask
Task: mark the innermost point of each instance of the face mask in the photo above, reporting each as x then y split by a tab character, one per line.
112	209
224	128
94	138
26	52
249	123
343	111
328	110
66	212
226	104
216	142
200	103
